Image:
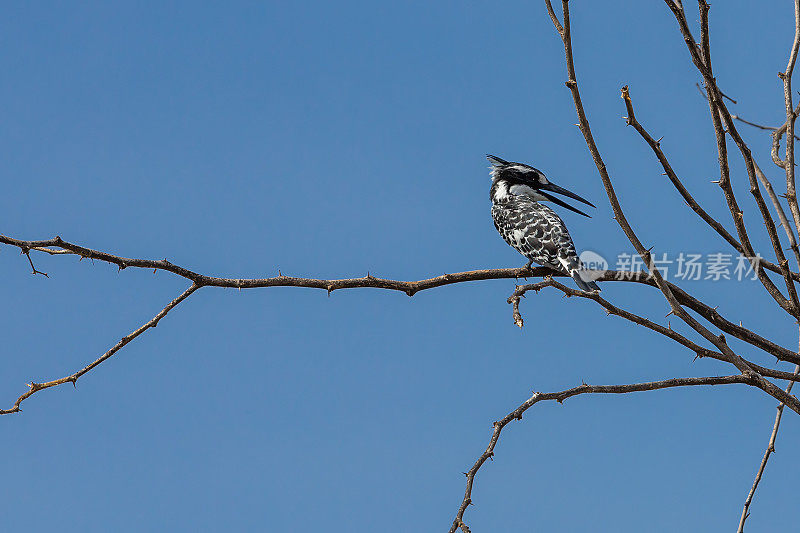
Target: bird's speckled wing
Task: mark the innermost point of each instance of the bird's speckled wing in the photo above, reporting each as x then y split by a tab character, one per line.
535	231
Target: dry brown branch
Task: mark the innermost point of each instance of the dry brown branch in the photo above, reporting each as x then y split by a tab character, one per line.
724	182
718	110
770	450
717	340
34	387
666	331
762	178
791	116
777	134
410	288
719	114
780	212
673	178
742	120
202	280
560	396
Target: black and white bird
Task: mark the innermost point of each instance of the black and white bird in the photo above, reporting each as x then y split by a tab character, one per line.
530	227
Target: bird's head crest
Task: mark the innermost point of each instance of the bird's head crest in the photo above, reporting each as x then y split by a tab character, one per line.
519	178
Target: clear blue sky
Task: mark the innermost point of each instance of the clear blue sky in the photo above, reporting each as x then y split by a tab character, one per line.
331	139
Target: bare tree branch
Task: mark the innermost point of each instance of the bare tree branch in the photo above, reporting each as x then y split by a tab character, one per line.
673	178
611	309
560	396
770	450
762	178
717	340
791	196
73	378
779	211
720	112
408	287
27	253
791	116
777	134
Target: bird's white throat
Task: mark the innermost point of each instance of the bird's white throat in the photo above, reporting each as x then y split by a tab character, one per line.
502	192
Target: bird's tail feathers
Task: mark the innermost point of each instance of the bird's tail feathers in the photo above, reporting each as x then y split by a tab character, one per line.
574	269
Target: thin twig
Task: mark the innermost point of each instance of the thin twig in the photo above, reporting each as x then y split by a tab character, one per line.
34	387
780	212
761	178
791	116
655	146
770	450
537	397
777	134
27	253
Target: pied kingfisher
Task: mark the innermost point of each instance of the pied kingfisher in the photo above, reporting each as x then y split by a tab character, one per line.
531	228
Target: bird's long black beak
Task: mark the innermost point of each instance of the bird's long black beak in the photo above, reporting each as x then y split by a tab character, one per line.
561	190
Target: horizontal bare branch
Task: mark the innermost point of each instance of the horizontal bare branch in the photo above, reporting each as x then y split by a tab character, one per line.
408	287
59	246
202	280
